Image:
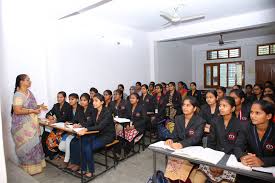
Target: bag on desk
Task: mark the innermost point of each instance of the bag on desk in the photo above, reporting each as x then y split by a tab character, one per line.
158	177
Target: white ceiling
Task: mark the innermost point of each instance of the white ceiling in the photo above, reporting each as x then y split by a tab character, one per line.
233	35
144	14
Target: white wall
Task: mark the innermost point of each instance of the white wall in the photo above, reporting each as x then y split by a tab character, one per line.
71	55
173	62
3	175
83	55
248	54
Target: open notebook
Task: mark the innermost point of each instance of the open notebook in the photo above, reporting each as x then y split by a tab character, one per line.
194	152
200	153
62	125
234	163
121	120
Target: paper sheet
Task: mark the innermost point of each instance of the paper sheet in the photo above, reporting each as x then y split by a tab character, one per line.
122	120
265	169
234	163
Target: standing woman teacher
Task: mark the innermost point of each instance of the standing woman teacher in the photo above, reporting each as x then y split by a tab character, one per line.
25	127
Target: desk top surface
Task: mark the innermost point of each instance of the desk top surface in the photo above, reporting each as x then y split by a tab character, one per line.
221	164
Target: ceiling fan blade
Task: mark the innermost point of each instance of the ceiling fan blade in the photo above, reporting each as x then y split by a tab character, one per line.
197	17
95	5
166	16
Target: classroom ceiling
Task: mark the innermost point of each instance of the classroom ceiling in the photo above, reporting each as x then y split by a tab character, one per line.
232	35
145	14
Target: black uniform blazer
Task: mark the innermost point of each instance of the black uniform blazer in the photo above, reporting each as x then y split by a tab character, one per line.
225	139
245	111
104	124
63	114
79	116
197	95
176	101
205	113
160	106
120	110
137	117
264	149
147	103
192	134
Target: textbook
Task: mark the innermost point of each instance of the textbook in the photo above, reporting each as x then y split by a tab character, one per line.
234	163
200	153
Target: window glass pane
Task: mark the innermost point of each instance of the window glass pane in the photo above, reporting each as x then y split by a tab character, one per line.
263	50
223	54
234	53
231	74
212	55
215	76
272	49
239	74
223	75
208	75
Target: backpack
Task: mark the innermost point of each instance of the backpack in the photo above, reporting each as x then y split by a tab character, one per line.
158	177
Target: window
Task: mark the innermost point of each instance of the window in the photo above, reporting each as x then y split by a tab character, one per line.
224	53
225	74
266	49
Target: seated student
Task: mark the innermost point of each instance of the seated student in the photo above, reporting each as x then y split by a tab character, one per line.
225	135
258	92
151	90
182	89
269	90
133	131
147	103
221	91
259	139
131	90
188	131
118	106
77	116
195	93
238	87
164	88
93	91
159	99
270	99
121	87
248	93
242	109
60	112
108	95
210	110
138	88
102	122
268	83
86	116
173	101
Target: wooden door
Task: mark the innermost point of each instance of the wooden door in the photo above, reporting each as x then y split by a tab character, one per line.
265	70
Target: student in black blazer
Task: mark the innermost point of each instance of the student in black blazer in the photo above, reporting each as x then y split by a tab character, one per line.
159	101
85	117
221	91
108	95
257	92
210	110
102	122
225	135
76	117
60	112
188	130
173	101
195	93
147	103
242	111
118	106
259	144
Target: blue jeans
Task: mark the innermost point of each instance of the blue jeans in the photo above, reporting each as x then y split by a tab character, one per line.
89	144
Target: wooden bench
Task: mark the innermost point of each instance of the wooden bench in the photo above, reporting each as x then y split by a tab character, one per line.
107	148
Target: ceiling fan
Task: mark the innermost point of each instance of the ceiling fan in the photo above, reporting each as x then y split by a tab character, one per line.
221	42
175	18
95	5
